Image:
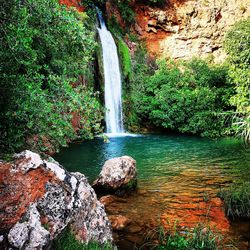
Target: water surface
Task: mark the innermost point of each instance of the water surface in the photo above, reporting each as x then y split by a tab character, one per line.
179	178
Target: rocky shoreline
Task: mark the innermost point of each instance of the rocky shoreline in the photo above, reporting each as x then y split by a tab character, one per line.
39	199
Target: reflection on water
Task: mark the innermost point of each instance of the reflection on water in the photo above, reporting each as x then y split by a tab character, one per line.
179	177
158	155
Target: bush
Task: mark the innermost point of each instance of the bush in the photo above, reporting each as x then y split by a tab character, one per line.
188	97
237	45
44	49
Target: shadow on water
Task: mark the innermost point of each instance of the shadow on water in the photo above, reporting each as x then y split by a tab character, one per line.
179	178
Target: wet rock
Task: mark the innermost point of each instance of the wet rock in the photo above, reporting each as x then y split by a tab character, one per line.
118	176
39	199
107	199
134	229
119	222
136	239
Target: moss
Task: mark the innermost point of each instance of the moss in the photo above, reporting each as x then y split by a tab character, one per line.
125	59
46	226
99	72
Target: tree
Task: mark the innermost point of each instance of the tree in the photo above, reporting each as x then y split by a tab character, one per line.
44	49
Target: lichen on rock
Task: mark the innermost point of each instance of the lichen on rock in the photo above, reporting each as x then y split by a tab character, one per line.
39	199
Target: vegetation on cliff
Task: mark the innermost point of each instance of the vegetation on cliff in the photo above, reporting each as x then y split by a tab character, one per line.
44	49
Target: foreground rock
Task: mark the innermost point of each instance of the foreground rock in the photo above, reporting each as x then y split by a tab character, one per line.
118	176
38	199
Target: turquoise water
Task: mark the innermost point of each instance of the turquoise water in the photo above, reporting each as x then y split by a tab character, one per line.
157	155
178	180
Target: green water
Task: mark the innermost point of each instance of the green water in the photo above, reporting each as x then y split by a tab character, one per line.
158	155
178	180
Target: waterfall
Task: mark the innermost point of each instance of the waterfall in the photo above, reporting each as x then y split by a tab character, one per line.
112	77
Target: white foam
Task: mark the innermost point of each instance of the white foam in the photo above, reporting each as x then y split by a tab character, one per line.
112	135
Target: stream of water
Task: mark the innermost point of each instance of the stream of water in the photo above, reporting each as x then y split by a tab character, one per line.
179	178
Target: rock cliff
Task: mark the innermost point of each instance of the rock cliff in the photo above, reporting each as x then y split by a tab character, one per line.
183	29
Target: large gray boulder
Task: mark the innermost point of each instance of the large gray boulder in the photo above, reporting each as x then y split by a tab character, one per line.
40	199
118	176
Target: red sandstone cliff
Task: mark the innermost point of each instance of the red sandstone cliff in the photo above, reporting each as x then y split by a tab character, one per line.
186	28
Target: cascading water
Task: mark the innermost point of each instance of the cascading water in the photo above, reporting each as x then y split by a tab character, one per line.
112	77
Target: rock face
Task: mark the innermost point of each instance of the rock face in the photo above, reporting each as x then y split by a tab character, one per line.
118	176
38	199
183	29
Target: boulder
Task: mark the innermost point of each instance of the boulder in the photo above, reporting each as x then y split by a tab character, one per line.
118	176
39	199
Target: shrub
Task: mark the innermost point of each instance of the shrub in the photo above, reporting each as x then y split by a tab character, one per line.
237	45
189	97
44	49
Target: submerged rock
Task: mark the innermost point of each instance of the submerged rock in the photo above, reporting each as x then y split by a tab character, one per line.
39	199
118	176
119	222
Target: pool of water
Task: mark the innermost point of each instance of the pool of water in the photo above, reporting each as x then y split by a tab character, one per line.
178	180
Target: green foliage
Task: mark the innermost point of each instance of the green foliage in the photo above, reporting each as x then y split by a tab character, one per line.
114	27
126	11
91	3
237	200
156	2
142	68
237	45
125	60
127	15
67	241
241	125
44	49
202	238
189	97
